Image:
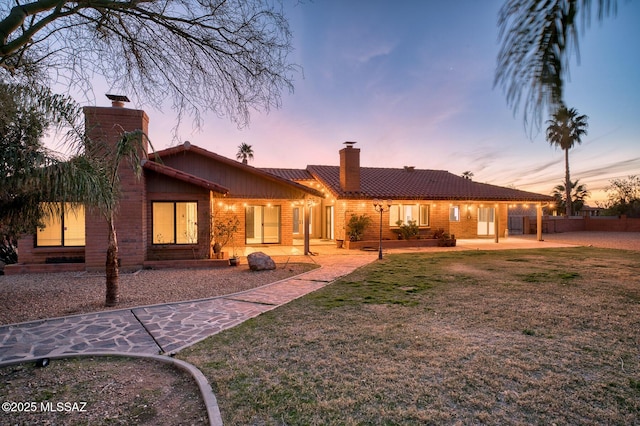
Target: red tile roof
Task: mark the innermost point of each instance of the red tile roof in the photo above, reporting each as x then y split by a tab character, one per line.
419	184
290	174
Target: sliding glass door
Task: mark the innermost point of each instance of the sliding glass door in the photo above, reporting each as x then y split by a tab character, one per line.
262	225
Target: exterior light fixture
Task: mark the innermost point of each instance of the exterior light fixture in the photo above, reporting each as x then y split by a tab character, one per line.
381	206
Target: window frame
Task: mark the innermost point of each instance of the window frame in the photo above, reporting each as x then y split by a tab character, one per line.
454	213
397	211
65	211
174	238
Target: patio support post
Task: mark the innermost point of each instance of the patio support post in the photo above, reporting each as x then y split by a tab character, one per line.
307	216
496	223
539	221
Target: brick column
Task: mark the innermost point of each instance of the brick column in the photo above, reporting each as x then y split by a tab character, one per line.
104	127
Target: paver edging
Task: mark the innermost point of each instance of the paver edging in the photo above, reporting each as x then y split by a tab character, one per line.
208	397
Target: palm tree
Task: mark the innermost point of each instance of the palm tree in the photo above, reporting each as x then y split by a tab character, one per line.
31	175
467	175
129	149
579	194
538	41
245	152
565	129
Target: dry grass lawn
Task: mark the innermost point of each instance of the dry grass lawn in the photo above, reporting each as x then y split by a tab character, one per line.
502	337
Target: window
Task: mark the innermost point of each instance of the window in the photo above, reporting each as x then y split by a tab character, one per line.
175	222
409	213
454	213
63	230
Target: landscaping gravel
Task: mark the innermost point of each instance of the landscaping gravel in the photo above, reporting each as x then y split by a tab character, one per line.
37	296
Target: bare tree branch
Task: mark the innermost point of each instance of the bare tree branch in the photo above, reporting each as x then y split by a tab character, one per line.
223	56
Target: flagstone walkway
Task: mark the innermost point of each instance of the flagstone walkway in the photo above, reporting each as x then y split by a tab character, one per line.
163	329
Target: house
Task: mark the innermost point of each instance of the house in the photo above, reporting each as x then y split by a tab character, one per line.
168	214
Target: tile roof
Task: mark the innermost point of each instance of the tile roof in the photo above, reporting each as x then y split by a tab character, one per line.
418	184
291	174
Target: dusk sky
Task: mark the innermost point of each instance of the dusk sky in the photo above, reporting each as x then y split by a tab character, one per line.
412	83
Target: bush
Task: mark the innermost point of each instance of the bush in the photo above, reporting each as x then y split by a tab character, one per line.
407	231
357	225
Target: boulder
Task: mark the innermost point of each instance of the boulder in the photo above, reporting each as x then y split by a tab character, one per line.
260	262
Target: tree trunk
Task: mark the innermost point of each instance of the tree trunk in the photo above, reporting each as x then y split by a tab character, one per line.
113	292
567	184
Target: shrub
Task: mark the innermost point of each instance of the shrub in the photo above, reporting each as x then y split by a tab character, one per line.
408	230
357	225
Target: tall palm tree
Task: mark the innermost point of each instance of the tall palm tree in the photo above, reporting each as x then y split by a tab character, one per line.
565	129
245	152
578	195
128	150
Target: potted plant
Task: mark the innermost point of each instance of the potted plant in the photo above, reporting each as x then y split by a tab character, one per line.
444	239
234	260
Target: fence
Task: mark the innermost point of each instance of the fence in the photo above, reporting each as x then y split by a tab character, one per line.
554	224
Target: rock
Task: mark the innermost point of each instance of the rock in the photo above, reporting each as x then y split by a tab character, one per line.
260	262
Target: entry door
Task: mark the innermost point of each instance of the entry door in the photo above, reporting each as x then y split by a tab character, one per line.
486	222
297	221
328	223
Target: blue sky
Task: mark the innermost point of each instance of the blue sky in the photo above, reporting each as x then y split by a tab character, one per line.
412	83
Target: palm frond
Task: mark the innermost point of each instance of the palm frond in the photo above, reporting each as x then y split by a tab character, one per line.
539	39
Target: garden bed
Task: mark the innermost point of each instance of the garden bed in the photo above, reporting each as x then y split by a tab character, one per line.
391	244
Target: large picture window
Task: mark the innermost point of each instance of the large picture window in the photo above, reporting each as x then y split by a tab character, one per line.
175	222
62	230
418	213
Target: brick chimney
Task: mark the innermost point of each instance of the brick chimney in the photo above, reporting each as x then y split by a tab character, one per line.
350	168
104	127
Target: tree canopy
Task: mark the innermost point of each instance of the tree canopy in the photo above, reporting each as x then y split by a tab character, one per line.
29	172
623	196
225	56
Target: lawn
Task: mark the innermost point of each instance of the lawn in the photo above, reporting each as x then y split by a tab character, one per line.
486	337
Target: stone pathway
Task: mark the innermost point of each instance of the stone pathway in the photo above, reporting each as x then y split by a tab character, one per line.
162	329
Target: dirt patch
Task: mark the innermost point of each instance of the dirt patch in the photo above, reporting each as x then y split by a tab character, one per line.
100	391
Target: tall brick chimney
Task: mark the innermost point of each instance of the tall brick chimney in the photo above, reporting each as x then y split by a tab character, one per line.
350	168
104	127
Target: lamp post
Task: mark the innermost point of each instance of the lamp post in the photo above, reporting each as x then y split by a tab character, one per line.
381	206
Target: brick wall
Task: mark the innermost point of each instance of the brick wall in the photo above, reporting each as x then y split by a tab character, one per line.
467	227
29	253
225	208
595	224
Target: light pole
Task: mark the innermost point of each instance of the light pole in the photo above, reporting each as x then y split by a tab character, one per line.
381	206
